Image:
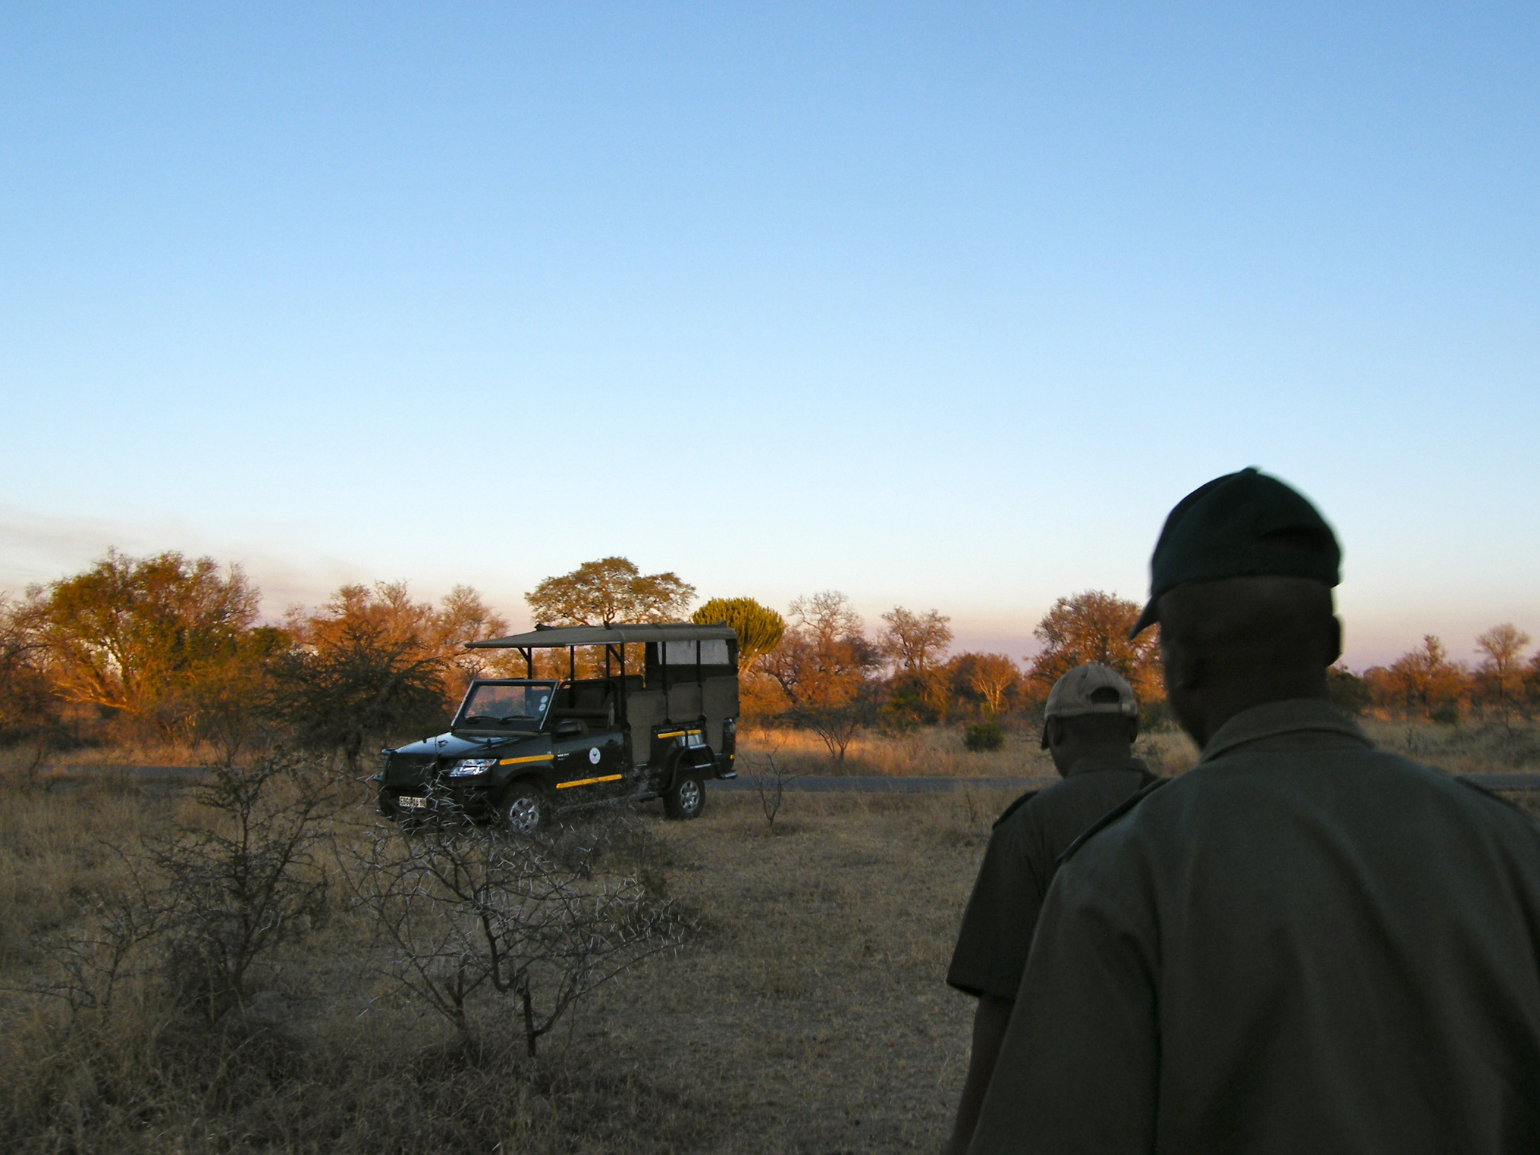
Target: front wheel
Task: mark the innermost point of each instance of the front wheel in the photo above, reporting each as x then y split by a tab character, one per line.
525	808
686	798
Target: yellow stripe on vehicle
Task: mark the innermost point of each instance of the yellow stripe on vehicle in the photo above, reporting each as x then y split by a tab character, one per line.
678	733
526	758
588	781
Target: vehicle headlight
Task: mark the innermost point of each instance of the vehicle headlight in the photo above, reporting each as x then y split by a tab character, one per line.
470	767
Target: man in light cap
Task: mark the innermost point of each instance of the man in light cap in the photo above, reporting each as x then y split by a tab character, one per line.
1302	944
1089	727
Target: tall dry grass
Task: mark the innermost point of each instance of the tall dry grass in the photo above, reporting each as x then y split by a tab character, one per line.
937	751
126	752
1482	747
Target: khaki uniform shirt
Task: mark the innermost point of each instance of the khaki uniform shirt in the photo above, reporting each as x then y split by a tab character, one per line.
1018	865
1301	945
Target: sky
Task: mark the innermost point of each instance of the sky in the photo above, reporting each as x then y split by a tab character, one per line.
942	306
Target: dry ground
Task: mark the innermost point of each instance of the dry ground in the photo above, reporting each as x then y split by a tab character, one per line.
814	1016
809	1014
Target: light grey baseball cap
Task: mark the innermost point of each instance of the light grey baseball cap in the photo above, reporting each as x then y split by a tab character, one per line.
1075	694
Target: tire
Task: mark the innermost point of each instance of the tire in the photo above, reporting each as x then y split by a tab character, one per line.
686	798
525	809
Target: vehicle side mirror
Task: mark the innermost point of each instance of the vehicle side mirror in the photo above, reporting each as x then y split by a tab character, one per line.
567	727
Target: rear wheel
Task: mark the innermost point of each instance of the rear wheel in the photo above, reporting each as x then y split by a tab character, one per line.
686	798
525	808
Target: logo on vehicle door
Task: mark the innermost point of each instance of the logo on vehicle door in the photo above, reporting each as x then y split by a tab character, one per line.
593	755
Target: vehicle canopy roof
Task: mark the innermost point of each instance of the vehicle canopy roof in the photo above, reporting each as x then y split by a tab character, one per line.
562	636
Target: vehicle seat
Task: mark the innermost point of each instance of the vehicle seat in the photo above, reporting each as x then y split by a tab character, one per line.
592	702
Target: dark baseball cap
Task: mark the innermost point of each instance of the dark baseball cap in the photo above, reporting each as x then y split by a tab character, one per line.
1244	524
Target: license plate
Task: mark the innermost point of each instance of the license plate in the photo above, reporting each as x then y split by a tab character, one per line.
407	802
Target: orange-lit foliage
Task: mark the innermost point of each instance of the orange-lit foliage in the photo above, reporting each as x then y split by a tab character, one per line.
609	590
1424	681
137	634
989	678
824	660
1093	627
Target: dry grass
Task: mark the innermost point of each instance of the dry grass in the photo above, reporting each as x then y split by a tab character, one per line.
814	1014
1470	748
810	1014
937	751
122	753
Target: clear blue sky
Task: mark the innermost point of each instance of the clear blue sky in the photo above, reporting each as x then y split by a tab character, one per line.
940	305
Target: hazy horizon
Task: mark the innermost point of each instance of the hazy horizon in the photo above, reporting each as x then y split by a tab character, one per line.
49	552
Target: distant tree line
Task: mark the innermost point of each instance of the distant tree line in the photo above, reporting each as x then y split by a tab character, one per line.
1428	682
172	648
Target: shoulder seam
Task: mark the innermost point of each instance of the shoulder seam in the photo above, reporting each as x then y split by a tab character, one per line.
1108	818
1492	794
1015	806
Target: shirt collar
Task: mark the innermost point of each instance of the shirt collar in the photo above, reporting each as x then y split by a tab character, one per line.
1273	719
1101	765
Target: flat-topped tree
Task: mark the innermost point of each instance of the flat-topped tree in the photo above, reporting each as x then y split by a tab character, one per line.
610	590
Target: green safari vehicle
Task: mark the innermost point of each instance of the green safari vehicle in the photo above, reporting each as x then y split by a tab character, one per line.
521	750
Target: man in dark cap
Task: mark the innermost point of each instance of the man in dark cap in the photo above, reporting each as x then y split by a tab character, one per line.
1302	944
1089	725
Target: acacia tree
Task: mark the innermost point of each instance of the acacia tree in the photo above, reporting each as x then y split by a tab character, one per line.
913	642
374	662
463	617
824	665
358	686
988	676
612	589
134	634
29	709
1425	679
1093	627
824	659
1502	669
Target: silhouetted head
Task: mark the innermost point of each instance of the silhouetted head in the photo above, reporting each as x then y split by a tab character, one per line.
1091	713
1231	644
1241	583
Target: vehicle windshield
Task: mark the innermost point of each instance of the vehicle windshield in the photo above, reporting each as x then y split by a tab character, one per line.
494	704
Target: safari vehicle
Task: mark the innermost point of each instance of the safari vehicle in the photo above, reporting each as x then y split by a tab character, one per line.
521	750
